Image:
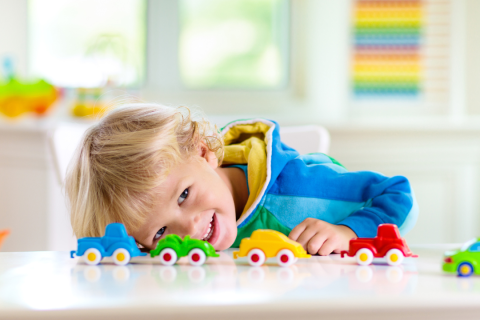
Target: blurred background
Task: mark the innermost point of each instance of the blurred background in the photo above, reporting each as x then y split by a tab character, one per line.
395	83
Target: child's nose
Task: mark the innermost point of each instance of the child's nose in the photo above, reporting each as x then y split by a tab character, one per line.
191	224
188	227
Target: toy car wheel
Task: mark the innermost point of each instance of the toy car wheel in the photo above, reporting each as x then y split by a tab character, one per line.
256	257
285	258
197	257
394	257
364	257
168	257
465	269
92	256
121	257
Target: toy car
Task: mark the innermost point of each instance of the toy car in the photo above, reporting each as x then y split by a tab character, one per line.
264	244
464	261
115	243
172	248
388	243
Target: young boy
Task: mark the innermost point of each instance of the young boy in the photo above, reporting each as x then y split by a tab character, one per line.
157	171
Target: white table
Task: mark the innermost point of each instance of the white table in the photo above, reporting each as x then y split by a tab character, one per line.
52	285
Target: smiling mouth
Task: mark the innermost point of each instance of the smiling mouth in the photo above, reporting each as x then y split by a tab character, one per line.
211	235
210	229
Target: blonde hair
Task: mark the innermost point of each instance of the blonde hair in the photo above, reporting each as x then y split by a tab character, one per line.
124	157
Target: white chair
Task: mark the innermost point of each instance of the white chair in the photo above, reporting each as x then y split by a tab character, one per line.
306	139
64	140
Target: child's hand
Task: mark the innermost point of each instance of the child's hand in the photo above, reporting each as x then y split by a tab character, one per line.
318	236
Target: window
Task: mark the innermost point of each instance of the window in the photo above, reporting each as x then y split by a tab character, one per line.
233	44
87	43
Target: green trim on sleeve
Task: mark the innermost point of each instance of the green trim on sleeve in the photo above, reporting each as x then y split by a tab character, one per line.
334	161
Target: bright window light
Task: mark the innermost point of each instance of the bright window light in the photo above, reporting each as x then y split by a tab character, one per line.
234	43
88	43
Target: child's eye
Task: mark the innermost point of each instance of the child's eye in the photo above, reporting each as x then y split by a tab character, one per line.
183	196
159	233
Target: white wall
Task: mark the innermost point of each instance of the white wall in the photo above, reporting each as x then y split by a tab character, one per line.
13	33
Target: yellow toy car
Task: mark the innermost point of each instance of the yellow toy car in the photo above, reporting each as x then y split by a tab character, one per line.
265	244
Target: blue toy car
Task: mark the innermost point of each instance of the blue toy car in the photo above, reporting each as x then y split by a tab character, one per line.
115	243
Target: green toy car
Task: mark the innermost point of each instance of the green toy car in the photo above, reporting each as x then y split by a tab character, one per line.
172	248
464	261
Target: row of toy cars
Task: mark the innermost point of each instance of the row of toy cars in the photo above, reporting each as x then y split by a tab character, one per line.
116	243
262	244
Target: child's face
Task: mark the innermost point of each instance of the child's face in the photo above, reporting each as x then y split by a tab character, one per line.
195	201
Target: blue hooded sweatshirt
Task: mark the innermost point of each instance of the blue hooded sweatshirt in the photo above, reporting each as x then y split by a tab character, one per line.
285	187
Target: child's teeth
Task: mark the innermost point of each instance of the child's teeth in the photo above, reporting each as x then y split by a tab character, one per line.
209	233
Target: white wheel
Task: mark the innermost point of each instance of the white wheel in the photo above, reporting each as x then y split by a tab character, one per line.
92	256
394	257
285	258
197	257
121	257
168	257
256	257
364	257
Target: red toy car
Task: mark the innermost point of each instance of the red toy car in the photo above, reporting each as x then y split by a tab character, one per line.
388	243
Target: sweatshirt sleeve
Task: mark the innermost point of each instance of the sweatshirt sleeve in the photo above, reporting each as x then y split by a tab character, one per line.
389	200
361	200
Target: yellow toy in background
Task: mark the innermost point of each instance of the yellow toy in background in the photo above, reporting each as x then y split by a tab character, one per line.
264	244
3	235
89	103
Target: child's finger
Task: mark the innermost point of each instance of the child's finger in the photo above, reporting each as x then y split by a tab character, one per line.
297	231
306	235
328	246
315	243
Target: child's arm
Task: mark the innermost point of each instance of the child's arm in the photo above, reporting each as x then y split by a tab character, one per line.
320	237
340	202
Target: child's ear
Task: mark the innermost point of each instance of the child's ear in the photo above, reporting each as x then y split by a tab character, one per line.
208	155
